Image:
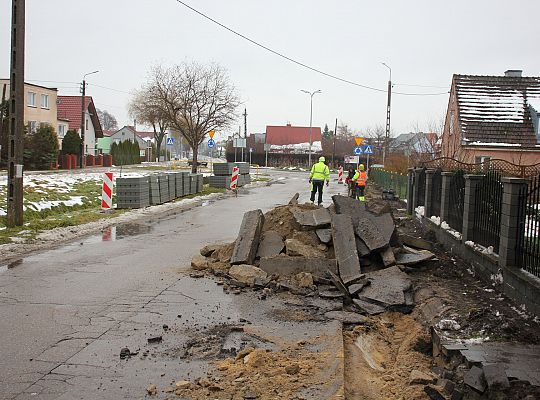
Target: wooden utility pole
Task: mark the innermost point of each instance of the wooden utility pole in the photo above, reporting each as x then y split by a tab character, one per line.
83	122
16	116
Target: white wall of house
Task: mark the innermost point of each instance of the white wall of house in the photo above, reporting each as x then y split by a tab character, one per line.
89	136
124	134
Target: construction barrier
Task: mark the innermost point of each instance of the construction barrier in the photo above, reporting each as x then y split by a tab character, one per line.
234	178
340	175
107	192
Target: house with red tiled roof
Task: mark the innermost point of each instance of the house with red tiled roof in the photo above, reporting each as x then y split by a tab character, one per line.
493	117
129	132
293	139
69	109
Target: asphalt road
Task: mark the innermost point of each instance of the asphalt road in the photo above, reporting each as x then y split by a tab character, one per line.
55	306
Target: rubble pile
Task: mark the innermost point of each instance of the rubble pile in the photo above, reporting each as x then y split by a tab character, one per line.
347	251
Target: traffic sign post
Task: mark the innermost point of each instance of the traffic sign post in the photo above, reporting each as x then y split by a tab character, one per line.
368	150
357	152
211	143
170	141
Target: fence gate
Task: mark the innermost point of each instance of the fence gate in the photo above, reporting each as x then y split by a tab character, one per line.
528	238
456	200
436	193
487	212
421	188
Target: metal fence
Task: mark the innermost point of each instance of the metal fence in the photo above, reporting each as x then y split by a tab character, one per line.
390	180
502	166
436	193
487	211
529	217
421	182
456	200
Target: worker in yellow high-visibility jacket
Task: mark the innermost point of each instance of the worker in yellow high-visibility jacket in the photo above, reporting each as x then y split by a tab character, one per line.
319	173
360	177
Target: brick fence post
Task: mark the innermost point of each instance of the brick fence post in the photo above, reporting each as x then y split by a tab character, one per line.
410	189
469	205
513	201
428	202
445	195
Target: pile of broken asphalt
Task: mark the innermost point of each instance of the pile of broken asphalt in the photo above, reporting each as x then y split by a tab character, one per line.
355	254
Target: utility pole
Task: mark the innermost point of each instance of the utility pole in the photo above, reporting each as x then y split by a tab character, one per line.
311	94
387	131
334	149
83	116
16	116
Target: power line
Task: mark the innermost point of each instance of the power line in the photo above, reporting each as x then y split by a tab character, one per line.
109	88
299	62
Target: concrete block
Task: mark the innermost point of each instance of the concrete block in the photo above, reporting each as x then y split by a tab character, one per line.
271	244
287	266
295	247
247	242
475	379
345	248
317	218
416	242
495	375
388	257
324	235
387	288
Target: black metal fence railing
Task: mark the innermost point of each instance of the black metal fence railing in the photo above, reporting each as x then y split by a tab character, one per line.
436	193
487	211
421	188
529	238
456	200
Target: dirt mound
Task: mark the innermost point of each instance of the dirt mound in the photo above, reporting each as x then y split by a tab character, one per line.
281	220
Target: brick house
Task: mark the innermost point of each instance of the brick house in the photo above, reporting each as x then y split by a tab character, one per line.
293	139
493	117
69	110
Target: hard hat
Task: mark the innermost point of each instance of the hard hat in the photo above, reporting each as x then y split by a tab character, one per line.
361	167
322	159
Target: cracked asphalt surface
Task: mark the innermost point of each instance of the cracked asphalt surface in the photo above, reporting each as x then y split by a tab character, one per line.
67	312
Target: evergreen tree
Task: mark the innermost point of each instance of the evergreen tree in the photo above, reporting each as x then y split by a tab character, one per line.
41	148
71	143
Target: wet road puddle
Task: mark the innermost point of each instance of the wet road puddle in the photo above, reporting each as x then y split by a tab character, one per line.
118	232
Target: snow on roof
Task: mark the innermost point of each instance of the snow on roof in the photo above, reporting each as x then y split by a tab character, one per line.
494	109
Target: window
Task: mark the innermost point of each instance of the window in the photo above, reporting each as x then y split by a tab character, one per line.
61	130
32	126
44	101
451	122
31	99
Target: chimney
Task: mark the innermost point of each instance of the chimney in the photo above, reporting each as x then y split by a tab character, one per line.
513	73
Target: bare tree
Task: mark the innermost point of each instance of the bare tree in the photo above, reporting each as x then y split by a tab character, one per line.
107	120
149	109
197	99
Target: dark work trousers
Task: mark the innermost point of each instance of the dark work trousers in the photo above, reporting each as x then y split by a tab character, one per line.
360	191
316	185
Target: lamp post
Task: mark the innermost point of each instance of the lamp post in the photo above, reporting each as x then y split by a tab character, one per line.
387	131
311	94
83	115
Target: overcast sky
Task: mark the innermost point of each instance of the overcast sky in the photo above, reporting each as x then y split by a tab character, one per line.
424	42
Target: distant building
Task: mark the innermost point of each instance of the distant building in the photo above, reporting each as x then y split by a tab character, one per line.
493	117
293	139
40	107
69	111
420	144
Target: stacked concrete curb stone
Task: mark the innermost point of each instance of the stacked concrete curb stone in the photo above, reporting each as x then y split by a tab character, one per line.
155	198
133	192
164	188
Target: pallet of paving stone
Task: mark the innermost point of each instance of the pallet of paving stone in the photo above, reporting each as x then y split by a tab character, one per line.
187	184
132	192
220	182
123	202
221	169
179	177
200	183
155	197
193	183
243	167
164	188
172	186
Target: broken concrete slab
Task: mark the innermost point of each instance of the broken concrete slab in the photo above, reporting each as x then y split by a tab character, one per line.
370	234
270	245
319	217
331	294
388	257
288	266
246	273
369	308
416	258
361	248
433	393
324	235
345	248
247	243
346	317
420	378
357	287
199	262
295	247
209	249
294	200
475	379
388	289
495	376
416	242
338	283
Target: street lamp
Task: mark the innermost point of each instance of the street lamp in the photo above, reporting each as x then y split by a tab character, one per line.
311	94
387	131
83	115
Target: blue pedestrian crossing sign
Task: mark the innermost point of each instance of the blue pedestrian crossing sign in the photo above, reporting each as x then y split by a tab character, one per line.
368	149
211	143
357	151
170	141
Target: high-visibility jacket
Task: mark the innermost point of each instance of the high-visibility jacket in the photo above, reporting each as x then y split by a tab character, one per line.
320	172
360	177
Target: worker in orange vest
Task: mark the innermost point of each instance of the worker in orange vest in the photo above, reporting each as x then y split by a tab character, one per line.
360	177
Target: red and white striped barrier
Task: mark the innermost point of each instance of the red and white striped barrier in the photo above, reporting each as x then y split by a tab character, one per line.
234	178
340	175
106	193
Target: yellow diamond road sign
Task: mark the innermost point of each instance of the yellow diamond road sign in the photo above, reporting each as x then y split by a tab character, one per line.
358	140
211	133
